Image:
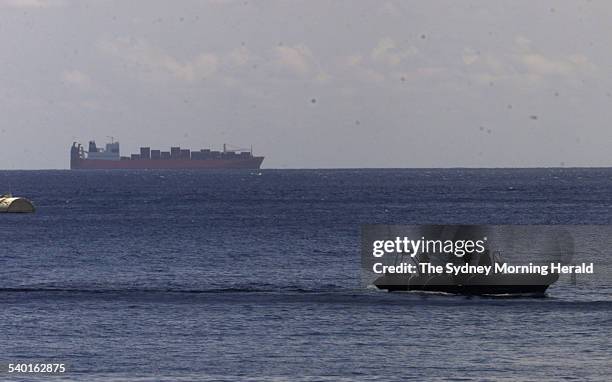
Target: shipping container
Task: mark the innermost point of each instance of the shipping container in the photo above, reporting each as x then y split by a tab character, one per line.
145	153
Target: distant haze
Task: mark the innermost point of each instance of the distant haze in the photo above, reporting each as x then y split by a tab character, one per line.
311	83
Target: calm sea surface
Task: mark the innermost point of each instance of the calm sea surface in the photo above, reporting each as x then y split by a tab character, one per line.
152	275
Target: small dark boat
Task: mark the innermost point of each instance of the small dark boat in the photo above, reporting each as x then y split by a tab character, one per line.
491	282
469	284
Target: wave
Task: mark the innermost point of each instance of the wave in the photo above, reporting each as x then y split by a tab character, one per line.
255	288
294	294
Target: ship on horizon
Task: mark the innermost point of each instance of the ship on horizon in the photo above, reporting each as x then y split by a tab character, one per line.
177	158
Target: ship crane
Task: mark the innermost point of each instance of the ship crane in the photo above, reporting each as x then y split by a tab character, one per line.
231	148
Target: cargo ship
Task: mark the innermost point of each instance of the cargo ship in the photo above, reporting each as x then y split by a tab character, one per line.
109	158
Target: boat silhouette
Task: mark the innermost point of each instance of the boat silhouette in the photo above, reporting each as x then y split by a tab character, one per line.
493	283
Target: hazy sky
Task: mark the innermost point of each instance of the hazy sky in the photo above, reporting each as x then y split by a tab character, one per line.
311	83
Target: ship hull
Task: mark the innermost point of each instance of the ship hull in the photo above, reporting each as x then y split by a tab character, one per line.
535	290
499	284
167	164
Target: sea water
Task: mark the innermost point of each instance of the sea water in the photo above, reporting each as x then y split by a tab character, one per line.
240	275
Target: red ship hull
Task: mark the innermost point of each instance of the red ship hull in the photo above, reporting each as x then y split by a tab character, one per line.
162	164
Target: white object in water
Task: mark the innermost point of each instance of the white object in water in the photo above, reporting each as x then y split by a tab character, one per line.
9	203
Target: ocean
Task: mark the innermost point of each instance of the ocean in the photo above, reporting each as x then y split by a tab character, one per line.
255	275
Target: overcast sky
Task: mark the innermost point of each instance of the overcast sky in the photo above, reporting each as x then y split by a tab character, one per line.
311	83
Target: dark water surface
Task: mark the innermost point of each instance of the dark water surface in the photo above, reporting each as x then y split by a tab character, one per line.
154	275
